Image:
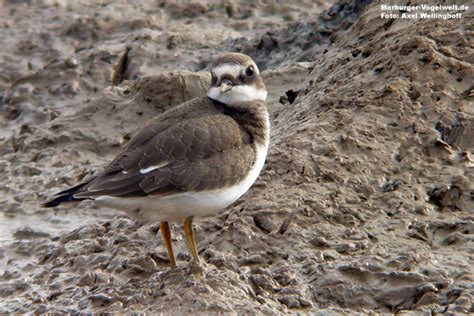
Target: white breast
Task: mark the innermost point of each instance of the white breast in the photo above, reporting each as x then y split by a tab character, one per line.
177	207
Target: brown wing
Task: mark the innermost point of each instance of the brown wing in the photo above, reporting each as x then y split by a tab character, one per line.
194	148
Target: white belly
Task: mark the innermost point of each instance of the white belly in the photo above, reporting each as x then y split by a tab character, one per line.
177	207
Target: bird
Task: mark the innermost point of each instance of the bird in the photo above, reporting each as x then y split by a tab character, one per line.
192	160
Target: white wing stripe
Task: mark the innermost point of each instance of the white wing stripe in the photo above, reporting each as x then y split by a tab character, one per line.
151	168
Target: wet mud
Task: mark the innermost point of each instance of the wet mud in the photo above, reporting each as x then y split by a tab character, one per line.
365	203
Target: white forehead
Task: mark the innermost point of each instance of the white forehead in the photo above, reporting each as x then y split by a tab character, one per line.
230	69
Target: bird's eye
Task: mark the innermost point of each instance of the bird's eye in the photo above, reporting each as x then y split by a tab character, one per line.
249	71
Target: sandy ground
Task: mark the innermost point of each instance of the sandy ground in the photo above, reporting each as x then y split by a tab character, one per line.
366	201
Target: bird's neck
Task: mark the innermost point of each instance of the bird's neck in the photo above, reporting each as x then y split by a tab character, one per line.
253	117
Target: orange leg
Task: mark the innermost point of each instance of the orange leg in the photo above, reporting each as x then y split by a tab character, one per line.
166	234
189	232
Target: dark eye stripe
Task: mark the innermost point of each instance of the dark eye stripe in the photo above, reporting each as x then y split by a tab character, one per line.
236	81
226	76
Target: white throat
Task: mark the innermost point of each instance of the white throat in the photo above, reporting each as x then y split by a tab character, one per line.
238	94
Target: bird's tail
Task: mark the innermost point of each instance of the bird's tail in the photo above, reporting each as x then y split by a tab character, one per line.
65	196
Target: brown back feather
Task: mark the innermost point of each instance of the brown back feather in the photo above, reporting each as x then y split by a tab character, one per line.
199	144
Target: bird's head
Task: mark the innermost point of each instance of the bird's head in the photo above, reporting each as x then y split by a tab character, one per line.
236	79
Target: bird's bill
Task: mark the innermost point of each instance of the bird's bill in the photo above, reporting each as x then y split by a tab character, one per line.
225	86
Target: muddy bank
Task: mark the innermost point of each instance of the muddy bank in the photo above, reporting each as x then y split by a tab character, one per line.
58	58
365	202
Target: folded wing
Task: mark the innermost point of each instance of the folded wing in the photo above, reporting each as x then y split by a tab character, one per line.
170	156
